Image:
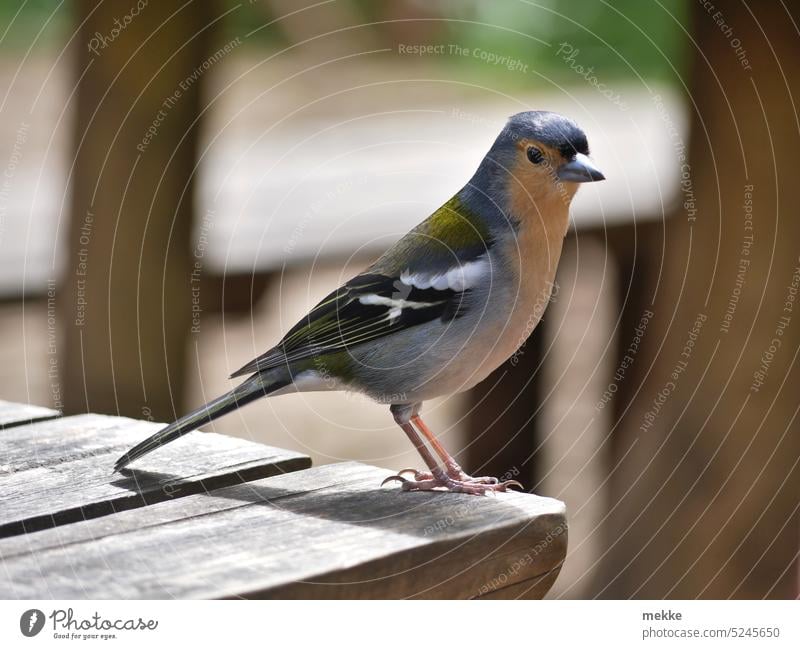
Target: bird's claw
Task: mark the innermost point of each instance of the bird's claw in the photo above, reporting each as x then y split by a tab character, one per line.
418	475
397	477
428	482
480	480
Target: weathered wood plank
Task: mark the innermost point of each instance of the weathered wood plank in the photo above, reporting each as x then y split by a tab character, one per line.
16	414
533	588
331	531
60	471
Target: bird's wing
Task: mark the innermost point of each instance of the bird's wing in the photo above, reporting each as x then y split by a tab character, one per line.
424	276
369	307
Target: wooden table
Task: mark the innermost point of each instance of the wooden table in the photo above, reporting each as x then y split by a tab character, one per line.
217	517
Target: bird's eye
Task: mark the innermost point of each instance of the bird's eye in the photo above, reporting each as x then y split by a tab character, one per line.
535	155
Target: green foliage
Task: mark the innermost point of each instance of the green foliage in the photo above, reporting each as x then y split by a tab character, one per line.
619	39
21	21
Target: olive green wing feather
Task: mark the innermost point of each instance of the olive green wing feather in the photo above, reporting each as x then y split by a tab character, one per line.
418	280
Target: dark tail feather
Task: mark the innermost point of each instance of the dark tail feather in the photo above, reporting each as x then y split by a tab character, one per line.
251	389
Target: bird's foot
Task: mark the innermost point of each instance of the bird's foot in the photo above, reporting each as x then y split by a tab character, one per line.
427	481
456	473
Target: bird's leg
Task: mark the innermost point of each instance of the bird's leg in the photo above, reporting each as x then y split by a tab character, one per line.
454	470
452	467
436	474
451	479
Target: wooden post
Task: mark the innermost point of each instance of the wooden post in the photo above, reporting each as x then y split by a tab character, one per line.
705	475
502	412
125	301
574	428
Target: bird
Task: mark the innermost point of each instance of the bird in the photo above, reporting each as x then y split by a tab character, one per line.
441	309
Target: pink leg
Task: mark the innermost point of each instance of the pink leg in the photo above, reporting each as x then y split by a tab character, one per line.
452	467
453	478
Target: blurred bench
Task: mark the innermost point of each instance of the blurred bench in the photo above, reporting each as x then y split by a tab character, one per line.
216	517
306	189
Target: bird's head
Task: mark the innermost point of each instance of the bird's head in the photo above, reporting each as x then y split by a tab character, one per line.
539	155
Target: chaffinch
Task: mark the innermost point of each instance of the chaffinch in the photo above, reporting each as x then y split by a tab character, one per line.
442	308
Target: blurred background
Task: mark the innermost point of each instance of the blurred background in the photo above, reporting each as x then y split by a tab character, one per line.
182	180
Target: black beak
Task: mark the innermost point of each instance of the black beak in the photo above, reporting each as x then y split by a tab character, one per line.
579	170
